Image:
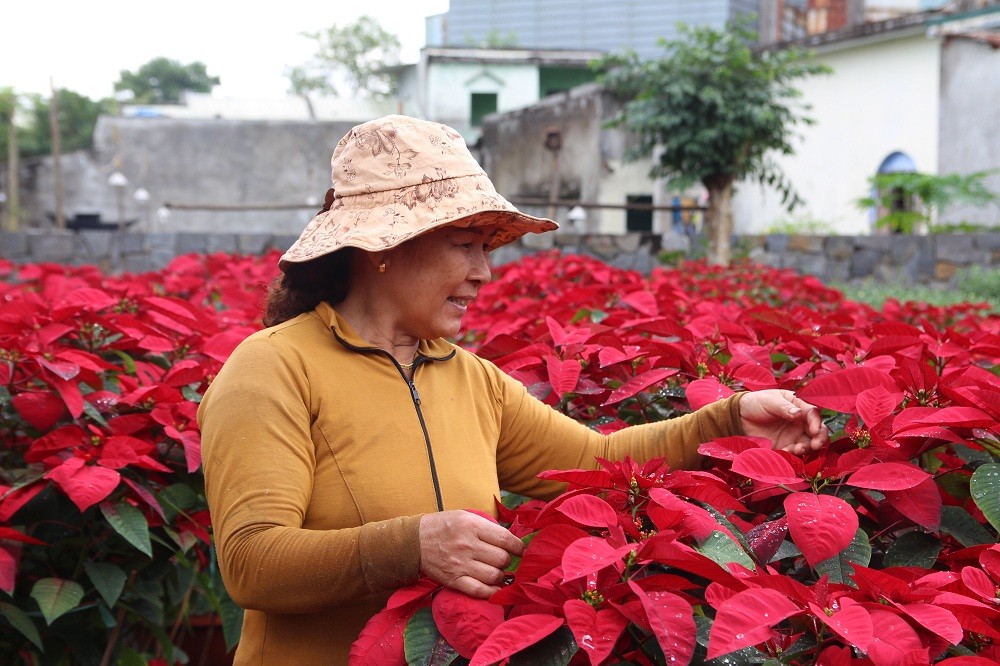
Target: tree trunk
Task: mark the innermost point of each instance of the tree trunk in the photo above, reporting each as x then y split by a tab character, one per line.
719	218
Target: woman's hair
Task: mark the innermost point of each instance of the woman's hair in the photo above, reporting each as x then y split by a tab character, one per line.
305	285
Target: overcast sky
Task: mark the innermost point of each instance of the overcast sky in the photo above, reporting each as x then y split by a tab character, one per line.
83	46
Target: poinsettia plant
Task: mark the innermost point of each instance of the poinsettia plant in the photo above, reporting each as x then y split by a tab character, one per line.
880	550
105	546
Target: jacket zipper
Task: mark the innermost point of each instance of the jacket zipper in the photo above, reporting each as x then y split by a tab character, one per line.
423	426
415	397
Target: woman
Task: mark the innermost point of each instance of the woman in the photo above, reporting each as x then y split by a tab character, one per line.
342	443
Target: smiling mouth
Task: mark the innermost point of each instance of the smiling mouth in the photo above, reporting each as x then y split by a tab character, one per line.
460	302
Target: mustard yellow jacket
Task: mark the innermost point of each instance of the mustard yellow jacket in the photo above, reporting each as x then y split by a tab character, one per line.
320	457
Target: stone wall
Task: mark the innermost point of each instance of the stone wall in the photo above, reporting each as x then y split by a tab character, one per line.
932	260
231	176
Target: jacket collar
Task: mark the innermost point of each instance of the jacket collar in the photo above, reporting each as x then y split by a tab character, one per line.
438	349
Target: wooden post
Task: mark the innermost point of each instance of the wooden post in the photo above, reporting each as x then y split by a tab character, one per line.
56	155
13	183
553	143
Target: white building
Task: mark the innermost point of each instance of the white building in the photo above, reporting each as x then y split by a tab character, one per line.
899	98
918	93
458	86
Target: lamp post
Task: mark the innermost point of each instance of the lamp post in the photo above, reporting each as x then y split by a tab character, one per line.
142	197
553	143
162	216
118	183
577	217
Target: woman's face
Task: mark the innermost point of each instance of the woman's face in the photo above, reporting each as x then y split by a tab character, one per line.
435	276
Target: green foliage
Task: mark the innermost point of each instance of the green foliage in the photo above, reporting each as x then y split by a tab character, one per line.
713	110
494	39
972	285
77	116
961	228
910	199
806	226
362	51
163	81
8	107
713	107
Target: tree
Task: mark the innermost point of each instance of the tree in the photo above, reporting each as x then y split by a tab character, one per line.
163	81
8	141
77	118
908	200
9	105
713	109
361	51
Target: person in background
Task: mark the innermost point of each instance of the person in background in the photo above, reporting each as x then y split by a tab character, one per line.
343	442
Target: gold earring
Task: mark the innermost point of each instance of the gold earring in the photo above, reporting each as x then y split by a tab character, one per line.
381	267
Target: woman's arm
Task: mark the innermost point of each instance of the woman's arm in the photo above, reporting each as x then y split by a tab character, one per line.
535	437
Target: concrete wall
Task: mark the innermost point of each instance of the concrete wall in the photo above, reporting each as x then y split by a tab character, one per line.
279	164
590	162
970	118
932	260
881	98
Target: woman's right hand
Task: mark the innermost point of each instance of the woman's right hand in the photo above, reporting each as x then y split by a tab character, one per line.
466	552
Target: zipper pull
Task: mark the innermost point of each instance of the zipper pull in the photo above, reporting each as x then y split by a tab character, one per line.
414	394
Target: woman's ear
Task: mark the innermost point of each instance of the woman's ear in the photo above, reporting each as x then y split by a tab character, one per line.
379	260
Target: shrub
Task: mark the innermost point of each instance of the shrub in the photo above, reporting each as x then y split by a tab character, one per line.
105	548
880	550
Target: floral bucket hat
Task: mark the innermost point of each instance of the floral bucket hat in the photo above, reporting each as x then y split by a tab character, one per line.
397	177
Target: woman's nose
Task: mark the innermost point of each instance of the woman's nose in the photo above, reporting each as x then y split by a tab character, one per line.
480	271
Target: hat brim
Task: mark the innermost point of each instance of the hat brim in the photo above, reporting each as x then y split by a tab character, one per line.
378	221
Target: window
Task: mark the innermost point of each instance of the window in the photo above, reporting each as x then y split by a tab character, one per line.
638	219
482	104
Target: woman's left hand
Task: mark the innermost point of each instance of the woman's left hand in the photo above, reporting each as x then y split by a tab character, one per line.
790	423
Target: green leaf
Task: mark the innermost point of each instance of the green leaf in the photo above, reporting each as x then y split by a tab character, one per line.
785	550
232	621
839	568
129	522
728	524
985	487
109	580
556	649
191	395
749	656
516	561
423	643
56	596
723	550
913	549
178	498
129	657
971	455
954	483
20	621
957	522
127	361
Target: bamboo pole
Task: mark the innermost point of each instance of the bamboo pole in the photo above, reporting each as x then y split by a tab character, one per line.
13	184
56	155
